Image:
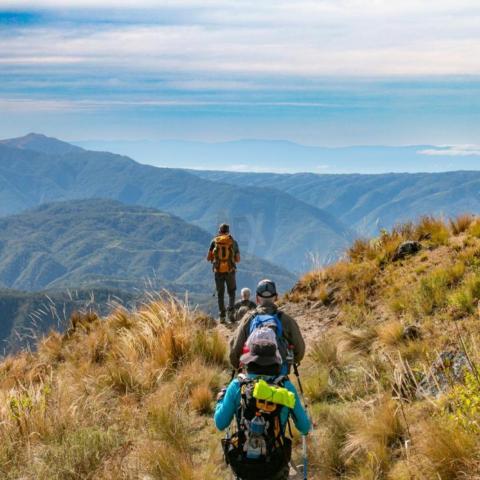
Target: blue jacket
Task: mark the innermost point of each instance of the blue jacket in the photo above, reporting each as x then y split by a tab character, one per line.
228	406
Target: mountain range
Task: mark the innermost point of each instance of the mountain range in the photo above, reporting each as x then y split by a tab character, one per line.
78	220
268	222
77	254
104	243
368	203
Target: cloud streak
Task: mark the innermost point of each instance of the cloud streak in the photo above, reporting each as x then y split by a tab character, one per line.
453	151
306	39
219	57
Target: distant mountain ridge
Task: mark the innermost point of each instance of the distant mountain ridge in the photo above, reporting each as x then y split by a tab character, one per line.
269	223
103	243
41	143
370	202
254	155
66	256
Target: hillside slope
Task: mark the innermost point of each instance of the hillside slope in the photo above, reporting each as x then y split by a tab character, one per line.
109	244
369	203
27	316
390	375
261	217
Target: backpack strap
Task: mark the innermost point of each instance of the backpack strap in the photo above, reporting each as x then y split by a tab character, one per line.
280	380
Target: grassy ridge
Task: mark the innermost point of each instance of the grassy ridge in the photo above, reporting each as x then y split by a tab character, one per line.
386	407
130	396
121	397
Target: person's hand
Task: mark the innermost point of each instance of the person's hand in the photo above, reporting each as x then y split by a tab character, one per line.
221	394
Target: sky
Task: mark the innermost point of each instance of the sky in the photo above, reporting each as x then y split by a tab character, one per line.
324	72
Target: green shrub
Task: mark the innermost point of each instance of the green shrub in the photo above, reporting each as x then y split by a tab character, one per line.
463	404
433	290
465	299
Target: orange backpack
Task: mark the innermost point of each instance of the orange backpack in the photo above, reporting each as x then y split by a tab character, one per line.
223	254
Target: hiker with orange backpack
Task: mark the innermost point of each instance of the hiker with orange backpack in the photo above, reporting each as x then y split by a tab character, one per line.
224	255
262	400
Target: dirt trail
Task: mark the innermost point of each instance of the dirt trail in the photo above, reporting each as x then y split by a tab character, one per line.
313	318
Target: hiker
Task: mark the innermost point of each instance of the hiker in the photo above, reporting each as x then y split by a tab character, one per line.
224	255
289	337
244	305
262	402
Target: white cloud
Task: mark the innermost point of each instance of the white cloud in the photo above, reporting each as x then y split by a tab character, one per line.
230	45
248	51
453	151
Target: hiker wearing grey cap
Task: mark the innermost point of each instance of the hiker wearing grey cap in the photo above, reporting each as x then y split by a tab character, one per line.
268	314
244	305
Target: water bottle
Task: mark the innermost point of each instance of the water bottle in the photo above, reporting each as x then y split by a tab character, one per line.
256	445
254	448
257	426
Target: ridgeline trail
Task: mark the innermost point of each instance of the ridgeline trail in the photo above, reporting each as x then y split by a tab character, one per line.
390	375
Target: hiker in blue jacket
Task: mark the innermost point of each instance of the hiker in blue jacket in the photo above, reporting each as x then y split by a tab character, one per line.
262	361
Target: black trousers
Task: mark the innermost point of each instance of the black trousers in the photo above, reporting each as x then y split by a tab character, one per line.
283	474
227	280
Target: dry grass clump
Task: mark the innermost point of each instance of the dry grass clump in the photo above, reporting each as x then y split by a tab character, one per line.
461	223
390	333
379	250
445	450
474	229
375	436
355	280
358	341
433	230
201	399
326	453
114	398
311	287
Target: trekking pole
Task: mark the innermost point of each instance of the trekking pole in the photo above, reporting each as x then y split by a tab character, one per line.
304	437
300	387
305	457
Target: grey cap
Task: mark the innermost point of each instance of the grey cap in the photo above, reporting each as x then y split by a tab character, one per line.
266	288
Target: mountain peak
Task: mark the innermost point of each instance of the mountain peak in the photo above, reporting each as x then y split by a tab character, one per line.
41	143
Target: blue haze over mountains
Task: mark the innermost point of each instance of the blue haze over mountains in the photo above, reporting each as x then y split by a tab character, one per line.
289	157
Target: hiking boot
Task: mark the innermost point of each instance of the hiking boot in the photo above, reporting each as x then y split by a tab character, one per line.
222	319
231	316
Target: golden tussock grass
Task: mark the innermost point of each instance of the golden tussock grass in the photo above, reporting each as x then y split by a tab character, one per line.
118	397
129	396
390	333
445	450
461	223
